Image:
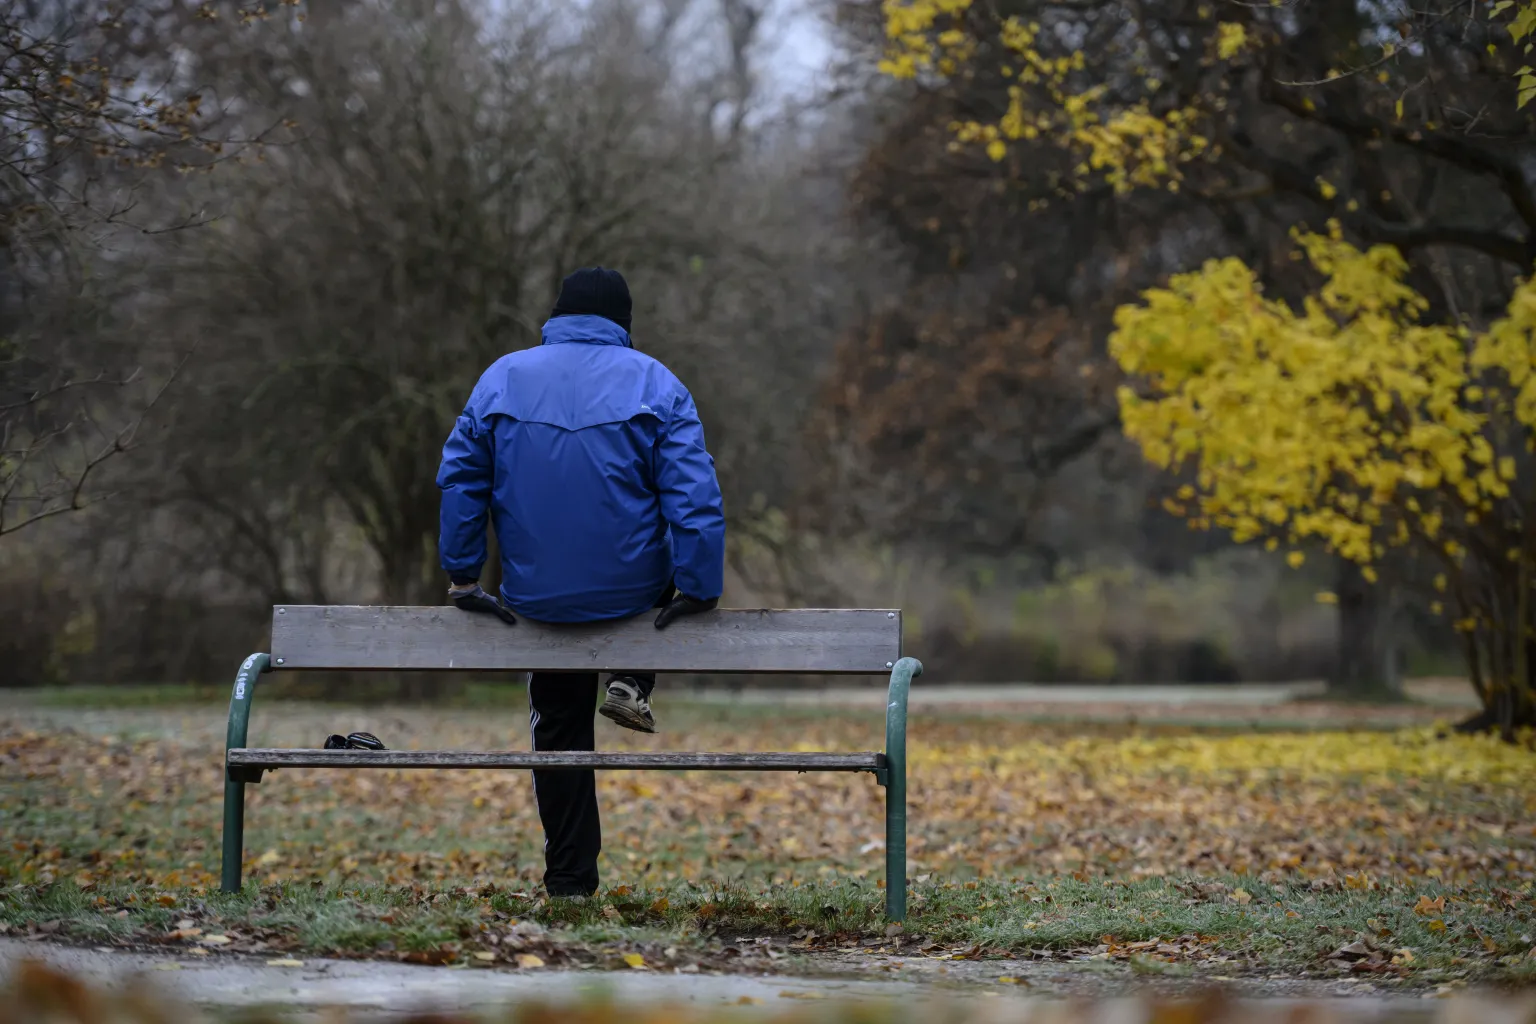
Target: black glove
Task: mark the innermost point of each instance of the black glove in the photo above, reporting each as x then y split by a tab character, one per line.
684	605
354	741
473	599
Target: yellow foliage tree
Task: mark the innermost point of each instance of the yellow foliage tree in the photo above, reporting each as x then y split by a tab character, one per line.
1302	114
1137	128
1351	423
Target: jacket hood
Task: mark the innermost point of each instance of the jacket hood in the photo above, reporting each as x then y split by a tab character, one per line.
585	328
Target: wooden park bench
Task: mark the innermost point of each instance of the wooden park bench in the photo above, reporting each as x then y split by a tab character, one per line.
800	641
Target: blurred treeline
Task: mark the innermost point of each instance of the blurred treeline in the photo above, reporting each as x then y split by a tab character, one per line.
237	320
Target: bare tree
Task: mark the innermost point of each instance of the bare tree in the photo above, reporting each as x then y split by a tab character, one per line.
454	165
94	107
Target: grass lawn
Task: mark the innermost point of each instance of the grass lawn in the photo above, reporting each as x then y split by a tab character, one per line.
1394	855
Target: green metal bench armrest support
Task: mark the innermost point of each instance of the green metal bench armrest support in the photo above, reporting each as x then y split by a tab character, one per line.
894	778
234	781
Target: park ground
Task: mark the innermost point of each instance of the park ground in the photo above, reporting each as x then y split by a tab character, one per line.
1301	848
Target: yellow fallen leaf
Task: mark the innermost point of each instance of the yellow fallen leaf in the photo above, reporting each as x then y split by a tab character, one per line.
485	955
1437	925
792	994
165	899
216	940
1427	906
1241	896
528	960
1007	980
660	906
634	959
749	1001
285	962
267	859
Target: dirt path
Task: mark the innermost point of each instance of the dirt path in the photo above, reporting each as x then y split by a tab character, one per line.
232	982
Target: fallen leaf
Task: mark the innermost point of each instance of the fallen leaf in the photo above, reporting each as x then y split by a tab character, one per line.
749	1001
165	899
794	994
1353	951
285	962
1241	896
634	959
216	940
1427	906
528	960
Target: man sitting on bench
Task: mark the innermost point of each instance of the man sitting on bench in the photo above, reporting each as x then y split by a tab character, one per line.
589	459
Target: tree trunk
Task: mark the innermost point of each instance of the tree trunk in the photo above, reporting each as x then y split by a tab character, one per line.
1369	658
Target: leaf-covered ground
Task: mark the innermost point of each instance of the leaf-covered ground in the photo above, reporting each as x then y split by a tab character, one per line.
1384	854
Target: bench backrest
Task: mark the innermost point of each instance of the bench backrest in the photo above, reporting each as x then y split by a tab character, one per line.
808	640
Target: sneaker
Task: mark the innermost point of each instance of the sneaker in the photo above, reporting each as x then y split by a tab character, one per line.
626	706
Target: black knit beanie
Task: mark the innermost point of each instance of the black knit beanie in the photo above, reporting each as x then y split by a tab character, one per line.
595	291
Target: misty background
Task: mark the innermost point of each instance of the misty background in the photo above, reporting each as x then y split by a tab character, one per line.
234	337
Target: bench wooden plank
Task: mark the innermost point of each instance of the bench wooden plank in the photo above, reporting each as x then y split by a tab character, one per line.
259	757
834	640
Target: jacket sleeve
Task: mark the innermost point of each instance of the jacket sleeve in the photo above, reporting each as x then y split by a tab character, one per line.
691	503
465	478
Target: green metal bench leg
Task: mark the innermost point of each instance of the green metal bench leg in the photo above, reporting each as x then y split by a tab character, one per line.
234	790
902	674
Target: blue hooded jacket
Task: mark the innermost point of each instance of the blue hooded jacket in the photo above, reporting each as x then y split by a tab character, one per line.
590	458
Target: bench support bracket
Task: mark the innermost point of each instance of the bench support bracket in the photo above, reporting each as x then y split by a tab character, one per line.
235	779
894	779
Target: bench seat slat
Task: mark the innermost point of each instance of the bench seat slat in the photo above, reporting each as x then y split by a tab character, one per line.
358	637
260	757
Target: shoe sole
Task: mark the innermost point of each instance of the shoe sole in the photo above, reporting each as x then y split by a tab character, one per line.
623	716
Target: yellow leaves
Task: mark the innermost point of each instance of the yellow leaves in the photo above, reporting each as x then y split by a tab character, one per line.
1326	597
1326	189
1231	39
1242	896
285	962
1520	30
1123	141
1427	906
1346	420
528	961
635	960
1295	559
